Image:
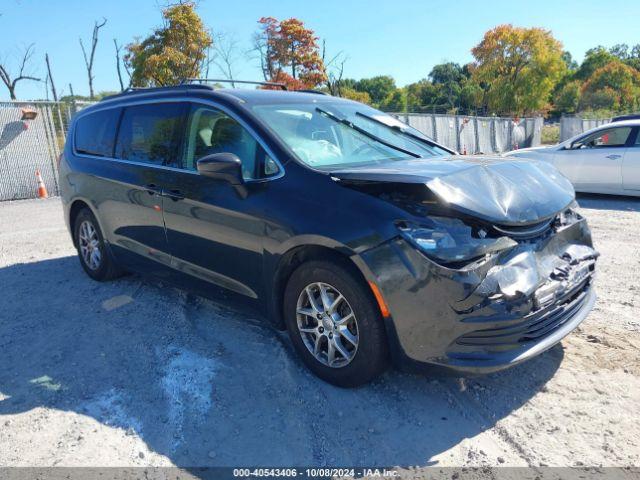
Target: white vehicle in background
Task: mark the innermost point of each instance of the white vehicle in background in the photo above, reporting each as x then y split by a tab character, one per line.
605	159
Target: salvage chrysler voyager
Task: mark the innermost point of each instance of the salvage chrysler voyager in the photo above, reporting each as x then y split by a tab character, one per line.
366	240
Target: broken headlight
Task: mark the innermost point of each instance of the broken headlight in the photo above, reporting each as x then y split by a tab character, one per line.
451	241
570	215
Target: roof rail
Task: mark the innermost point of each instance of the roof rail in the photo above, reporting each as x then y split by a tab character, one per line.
131	90
310	90
281	86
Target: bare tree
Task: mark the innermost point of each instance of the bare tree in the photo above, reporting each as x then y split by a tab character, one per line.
50	78
264	51
88	59
334	70
118	64
226	52
10	81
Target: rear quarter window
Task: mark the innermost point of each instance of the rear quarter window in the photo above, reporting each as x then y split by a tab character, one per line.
95	133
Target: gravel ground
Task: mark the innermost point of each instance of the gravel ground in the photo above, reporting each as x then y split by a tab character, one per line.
137	373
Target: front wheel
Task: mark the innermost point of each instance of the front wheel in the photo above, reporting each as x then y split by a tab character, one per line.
335	324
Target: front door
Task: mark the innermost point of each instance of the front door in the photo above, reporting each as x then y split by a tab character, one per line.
215	230
594	162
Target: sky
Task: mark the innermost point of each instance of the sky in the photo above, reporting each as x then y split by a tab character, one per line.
402	38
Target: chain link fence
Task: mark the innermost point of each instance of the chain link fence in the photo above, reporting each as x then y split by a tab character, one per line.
477	135
32	136
575	125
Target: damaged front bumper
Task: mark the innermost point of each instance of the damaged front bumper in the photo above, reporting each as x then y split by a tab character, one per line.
492	314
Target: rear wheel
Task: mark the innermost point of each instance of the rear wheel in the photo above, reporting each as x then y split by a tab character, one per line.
335	324
94	256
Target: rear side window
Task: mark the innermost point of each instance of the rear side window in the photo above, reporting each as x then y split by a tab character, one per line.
150	133
95	133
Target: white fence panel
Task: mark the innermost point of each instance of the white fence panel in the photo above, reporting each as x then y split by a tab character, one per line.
572	126
472	134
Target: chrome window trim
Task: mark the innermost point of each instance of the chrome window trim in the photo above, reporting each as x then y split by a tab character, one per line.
181	98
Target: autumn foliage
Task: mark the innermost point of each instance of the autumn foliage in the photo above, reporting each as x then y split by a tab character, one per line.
518	68
173	53
289	53
615	86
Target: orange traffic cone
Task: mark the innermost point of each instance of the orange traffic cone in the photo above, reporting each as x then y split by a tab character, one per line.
42	190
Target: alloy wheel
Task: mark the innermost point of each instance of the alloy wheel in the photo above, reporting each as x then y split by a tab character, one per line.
89	244
327	324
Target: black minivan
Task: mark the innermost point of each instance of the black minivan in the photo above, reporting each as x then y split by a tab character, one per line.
368	241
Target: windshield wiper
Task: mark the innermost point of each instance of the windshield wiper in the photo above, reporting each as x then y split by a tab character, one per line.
364	132
403	131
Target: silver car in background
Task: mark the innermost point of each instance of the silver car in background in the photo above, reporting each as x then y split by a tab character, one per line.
605	159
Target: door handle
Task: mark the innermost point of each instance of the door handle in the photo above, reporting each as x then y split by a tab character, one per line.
153	189
613	157
174	195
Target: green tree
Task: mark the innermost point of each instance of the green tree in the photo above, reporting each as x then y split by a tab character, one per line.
352	94
421	96
520	68
615	86
594	59
605	99
449	78
568	60
378	87
396	101
620	51
172	53
567	98
633	60
471	96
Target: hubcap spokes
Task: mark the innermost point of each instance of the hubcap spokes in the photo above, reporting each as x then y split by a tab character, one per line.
327	325
89	245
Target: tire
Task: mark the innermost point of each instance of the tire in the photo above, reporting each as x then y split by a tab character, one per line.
105	268
369	355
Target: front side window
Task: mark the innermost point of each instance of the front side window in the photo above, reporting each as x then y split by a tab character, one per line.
328	135
150	133
611	137
95	133
212	131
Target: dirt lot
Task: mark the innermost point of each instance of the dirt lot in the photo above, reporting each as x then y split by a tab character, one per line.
134	372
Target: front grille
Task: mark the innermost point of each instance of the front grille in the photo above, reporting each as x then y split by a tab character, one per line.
534	326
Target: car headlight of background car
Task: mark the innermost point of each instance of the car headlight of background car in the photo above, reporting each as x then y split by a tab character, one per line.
451	241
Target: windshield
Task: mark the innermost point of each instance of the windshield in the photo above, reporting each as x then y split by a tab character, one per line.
327	135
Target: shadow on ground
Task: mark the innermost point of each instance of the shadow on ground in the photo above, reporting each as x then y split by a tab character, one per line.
608	202
204	384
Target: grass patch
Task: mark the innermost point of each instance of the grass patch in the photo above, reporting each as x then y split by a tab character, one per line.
550	134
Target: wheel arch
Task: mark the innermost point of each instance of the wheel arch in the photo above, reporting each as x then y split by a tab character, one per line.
296	256
76	206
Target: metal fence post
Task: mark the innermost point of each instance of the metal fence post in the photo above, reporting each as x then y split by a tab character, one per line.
434	127
477	135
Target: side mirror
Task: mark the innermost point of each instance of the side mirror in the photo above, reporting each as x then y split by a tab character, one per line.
221	166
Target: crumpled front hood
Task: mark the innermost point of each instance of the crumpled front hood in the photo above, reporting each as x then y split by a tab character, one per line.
507	191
